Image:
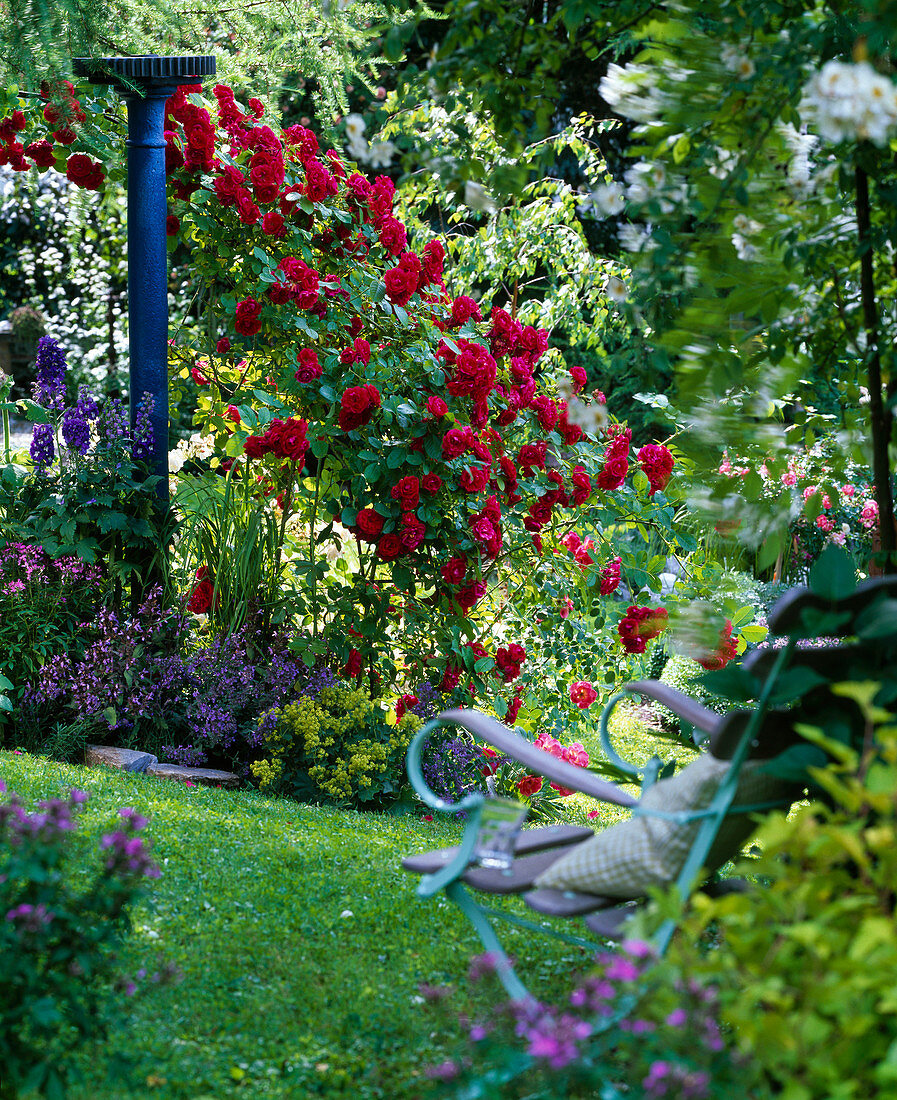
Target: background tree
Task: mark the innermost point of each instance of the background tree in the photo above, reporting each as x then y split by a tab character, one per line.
759	210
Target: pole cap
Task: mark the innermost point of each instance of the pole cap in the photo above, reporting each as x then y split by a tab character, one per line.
144	73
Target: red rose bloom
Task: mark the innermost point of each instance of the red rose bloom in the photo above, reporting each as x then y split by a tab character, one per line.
475	479
726	650
401	284
293	443
529	784
273	224
370	524
613	473
84	172
453	444
393	236
352	667
463	309
201	597
255	446
413	531
309	366
610	577
657	462
247	320
41	152
455	570
431	483
407	492
390	547
582	694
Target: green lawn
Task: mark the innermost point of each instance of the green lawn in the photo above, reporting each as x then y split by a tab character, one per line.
281	994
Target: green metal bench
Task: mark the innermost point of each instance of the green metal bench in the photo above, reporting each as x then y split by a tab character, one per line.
496	856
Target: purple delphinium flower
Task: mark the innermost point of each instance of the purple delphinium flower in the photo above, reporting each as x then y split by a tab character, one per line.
112	424
144	439
75	430
49	387
88	405
43	447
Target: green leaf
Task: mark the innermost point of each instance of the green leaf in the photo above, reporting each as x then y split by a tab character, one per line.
395	458
35	413
769	552
833	576
878	621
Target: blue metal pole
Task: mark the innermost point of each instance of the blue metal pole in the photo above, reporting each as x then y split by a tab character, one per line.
145	83
148	268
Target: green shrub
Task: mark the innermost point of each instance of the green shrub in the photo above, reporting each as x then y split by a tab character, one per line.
57	936
337	747
807	966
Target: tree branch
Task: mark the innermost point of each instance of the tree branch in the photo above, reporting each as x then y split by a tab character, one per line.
878	414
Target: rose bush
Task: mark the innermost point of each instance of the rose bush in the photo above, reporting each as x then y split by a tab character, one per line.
422	458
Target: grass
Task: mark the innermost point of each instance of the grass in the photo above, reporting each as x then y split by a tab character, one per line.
282	994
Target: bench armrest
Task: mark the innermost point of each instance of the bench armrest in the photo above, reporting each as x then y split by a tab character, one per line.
682	705
537	760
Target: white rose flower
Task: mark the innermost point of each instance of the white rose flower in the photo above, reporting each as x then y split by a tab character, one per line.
608	199
615	289
381	154
358	149
846	101
355	126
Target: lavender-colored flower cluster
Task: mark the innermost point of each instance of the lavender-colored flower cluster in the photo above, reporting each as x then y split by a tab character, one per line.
429	701
138	677
46	824
551	1037
26	566
670	1079
30	918
127	850
453	768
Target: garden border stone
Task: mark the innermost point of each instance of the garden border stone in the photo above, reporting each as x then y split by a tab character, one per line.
128	760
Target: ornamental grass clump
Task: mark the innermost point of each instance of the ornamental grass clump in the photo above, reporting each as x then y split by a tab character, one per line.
337	747
60	924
